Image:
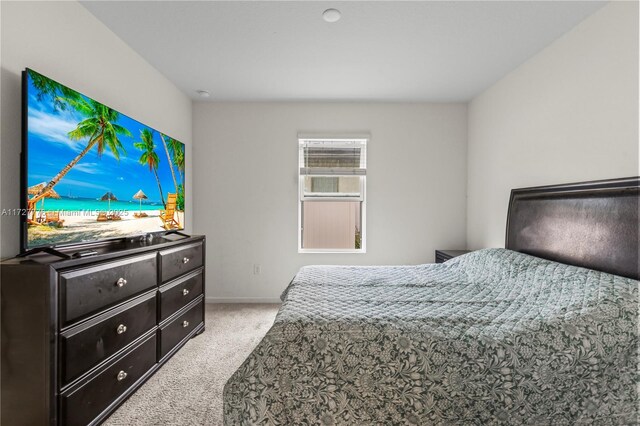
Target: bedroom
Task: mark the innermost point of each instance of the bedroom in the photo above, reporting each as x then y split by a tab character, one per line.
459	103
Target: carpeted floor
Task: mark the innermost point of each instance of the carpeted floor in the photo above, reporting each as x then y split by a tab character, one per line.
187	390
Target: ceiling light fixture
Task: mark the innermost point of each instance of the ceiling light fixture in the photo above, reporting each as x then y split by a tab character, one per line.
203	93
331	15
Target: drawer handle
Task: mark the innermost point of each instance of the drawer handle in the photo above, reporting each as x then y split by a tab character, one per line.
185	324
121	328
185	260
121	282
121	376
185	292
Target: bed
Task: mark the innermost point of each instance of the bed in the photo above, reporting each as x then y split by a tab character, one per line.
544	331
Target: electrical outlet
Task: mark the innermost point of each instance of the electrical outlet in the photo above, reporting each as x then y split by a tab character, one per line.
256	269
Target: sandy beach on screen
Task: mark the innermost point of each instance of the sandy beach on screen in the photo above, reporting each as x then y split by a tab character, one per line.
87	228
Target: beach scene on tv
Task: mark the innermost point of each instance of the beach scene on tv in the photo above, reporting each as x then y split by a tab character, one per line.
93	173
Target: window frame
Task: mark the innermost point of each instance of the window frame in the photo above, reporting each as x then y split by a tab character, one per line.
363	138
302	196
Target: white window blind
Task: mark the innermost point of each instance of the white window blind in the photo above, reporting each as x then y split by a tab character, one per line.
344	157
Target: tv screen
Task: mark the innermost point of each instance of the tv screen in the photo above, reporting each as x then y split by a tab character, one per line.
91	173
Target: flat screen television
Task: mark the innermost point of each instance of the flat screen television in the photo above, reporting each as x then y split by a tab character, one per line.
90	173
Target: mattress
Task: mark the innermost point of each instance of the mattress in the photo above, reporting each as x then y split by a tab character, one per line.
490	337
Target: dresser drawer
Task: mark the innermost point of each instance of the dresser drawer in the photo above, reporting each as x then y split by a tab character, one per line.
81	405
172	333
180	260
87	290
85	345
179	293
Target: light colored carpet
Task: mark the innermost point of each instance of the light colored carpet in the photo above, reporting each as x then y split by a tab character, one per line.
187	390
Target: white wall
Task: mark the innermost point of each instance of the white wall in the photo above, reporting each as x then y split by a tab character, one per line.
568	114
67	43
246	155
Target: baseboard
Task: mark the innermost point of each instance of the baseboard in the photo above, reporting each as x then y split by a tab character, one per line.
243	300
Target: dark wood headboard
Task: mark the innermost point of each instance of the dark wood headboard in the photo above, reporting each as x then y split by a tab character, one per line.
588	224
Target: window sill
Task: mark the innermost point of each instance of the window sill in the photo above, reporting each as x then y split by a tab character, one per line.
332	251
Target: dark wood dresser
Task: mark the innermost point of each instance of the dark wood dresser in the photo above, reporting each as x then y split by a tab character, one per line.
444	255
81	335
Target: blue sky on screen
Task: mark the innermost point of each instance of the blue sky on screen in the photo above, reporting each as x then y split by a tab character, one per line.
50	149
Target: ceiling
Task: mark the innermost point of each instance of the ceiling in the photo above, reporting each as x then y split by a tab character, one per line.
379	50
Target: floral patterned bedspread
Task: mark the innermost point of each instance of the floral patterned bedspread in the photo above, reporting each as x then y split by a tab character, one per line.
491	337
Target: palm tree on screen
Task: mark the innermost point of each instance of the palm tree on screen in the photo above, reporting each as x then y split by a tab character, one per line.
149	156
177	154
99	127
166	150
52	89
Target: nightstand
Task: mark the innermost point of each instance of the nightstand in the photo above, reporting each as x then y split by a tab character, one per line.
444	255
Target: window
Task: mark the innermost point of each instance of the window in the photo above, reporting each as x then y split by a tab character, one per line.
332	180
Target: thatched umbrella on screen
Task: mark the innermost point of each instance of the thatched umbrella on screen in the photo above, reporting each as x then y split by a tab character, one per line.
109	197
35	190
140	196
